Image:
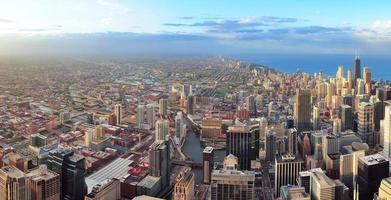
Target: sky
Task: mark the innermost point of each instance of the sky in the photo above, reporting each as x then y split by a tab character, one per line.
195	26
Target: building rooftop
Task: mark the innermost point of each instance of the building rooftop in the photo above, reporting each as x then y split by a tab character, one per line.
288	158
148	181
334	156
76	158
373	159
145	197
41	173
12	171
116	169
323	179
98	188
208	149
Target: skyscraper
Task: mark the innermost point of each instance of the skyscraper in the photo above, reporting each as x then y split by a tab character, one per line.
350	81
184	186
251	105
163	106
365	123
190	105
45	184
118	113
346	116
357	68
302	110
140	115
292	141
367	80
315	117
71	168
239	144
386	131
186	91
330	144
270	145
178	125
262	138
151	115
159	161
287	168
207	164
323	188
230	183
162	127
371	170
385	189
14	185
348	168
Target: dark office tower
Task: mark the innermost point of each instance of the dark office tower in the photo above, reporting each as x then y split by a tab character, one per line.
159	161
190	105
290	122
270	145
380	94
207	164
239	144
378	114
251	105
346	116
292	141
304	180
348	100
302	110
371	170
357	68
70	167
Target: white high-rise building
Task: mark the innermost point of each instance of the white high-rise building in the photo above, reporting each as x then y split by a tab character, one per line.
88	136
178	125
163	106
162	127
287	168
151	115
386	131
330	145
118	113
323	188
262	138
140	115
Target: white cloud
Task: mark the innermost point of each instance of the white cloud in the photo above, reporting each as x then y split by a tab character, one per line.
113	5
379	30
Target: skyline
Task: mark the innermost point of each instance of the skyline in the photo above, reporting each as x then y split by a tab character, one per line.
202	27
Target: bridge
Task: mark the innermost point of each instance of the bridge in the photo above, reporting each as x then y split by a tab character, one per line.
189	163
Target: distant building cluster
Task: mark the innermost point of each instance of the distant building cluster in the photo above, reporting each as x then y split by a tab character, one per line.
189	129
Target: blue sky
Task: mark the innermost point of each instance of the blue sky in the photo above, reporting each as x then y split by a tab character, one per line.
197	26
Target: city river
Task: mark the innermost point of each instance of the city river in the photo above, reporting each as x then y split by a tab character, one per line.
193	148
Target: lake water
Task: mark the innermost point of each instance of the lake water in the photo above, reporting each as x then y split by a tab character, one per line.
328	63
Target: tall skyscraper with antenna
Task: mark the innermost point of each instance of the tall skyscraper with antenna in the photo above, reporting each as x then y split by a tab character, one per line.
357	68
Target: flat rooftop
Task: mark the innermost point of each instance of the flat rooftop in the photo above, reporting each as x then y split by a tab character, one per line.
208	150
116	169
373	159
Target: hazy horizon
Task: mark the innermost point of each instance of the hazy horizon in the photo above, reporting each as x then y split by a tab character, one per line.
117	27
